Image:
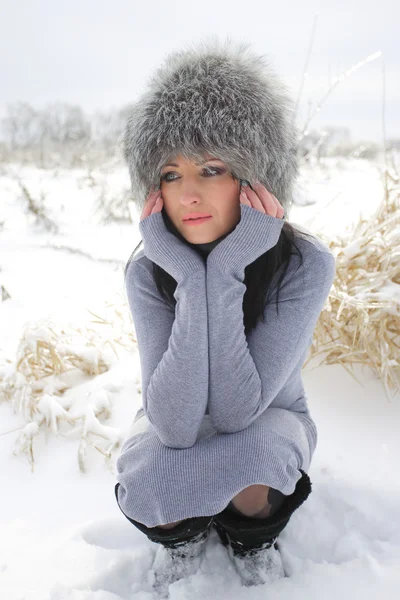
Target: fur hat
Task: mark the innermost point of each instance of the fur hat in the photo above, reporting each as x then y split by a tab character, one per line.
219	98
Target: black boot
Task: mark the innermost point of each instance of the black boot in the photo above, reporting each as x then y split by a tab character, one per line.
180	551
252	543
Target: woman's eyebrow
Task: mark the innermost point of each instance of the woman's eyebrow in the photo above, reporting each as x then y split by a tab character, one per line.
197	163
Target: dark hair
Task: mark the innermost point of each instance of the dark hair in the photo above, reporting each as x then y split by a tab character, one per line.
258	276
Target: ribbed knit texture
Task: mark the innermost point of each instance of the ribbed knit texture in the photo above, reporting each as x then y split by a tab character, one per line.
163	248
220	411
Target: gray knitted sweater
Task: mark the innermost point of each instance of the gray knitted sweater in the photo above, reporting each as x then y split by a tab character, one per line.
197	363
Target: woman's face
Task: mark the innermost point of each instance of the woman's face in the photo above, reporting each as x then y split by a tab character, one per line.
209	188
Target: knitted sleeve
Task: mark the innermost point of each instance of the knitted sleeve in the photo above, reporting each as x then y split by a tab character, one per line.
173	350
244	382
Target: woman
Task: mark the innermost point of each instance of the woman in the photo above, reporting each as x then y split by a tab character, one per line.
224	311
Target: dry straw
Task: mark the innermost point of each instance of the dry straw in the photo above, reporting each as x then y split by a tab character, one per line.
361	320
44	383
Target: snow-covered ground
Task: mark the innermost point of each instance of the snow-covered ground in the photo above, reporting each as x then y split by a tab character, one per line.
62	535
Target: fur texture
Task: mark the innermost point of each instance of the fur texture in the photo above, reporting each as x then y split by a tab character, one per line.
218	97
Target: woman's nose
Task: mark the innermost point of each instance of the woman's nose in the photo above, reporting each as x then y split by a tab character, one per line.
189	196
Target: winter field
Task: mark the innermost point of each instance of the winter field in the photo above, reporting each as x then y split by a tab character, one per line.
62	535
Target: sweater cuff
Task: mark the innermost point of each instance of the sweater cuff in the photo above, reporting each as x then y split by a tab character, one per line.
255	234
164	248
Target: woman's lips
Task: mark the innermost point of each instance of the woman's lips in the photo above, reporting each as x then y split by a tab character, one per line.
196	221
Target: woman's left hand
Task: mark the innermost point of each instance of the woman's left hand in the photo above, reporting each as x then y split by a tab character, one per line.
261	199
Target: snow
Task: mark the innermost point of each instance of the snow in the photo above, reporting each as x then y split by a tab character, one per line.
63	536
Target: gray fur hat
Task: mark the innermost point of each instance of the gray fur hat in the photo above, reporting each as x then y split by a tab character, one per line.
220	98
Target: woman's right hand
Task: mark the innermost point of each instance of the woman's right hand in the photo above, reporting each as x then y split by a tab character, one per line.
153	204
163	247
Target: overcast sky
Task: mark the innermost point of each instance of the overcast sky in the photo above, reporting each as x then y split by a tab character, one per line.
100	54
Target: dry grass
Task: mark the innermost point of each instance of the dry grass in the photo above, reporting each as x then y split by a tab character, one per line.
52	362
361	320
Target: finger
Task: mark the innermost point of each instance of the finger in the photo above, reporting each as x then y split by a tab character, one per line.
244	199
150	203
255	200
157	206
266	198
280	210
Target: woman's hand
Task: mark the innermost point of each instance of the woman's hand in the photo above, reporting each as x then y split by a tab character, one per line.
162	246
153	204
257	232
261	199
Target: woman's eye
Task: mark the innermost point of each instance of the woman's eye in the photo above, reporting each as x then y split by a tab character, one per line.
165	175
216	170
